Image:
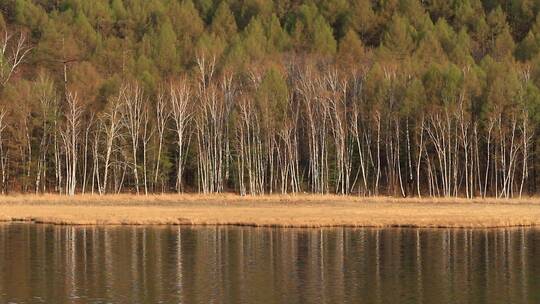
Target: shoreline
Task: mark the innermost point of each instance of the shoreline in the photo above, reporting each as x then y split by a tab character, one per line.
300	211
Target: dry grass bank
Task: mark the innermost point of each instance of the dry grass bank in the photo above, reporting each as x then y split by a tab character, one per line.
272	211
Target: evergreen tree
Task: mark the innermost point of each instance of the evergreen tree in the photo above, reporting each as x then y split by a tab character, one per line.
223	23
164	48
351	50
398	39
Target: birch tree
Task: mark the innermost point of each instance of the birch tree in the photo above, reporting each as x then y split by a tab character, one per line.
111	125
132	119
162	117
211	122
70	135
13	52
180	99
3	154
48	105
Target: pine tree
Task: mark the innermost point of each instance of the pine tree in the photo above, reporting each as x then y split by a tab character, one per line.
323	40
398	39
223	23
165	54
351	50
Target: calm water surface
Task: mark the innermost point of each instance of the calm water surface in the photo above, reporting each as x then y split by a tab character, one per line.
63	264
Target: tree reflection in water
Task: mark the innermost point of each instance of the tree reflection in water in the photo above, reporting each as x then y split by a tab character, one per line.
66	264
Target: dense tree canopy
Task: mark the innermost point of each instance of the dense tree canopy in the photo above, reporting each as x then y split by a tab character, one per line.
401	97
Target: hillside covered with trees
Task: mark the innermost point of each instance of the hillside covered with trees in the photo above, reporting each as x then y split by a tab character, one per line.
369	97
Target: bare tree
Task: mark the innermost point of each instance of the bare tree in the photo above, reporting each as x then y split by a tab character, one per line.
111	122
339	117
3	156
87	129
211	125
316	111
290	171
527	138
132	119
147	135
250	149
70	135
12	54
180	96
162	117
48	105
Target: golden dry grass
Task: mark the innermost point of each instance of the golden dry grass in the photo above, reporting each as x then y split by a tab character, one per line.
270	211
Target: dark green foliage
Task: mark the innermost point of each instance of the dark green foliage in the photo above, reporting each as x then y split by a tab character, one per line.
272	98
163	37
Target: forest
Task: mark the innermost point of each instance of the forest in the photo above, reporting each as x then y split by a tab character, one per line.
407	98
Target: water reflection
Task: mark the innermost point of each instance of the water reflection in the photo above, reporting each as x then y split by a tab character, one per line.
54	264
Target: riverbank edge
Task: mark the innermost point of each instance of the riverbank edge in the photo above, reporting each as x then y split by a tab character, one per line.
60	222
276	211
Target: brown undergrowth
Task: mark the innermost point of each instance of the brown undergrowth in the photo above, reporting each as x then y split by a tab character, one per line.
270	211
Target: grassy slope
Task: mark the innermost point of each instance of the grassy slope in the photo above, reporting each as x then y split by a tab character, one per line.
273	211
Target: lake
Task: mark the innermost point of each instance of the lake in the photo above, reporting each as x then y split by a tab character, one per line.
132	264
